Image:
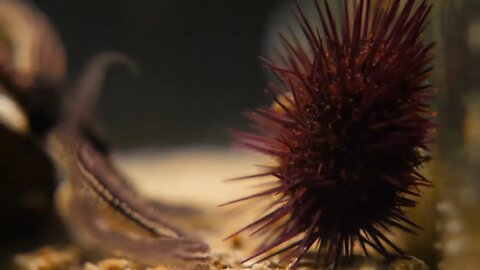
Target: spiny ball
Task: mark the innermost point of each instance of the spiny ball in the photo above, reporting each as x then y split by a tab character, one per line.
349	130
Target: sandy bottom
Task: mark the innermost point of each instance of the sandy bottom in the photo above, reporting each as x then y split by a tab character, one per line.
195	177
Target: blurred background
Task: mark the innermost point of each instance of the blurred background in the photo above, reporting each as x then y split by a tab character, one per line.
199	72
199	62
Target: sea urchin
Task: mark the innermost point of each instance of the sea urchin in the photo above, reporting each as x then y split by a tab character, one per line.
348	130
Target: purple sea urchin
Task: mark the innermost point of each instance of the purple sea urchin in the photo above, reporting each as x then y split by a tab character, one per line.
348	130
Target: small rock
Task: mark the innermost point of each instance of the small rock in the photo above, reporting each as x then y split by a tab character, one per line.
112	264
47	258
408	264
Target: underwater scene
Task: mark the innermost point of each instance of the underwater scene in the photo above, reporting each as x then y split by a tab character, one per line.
260	135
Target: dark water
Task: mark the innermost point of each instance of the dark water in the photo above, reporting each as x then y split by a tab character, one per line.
199	62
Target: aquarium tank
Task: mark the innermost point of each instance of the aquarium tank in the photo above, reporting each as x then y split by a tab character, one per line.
261	135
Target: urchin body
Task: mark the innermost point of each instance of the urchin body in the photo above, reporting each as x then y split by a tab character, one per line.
349	130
